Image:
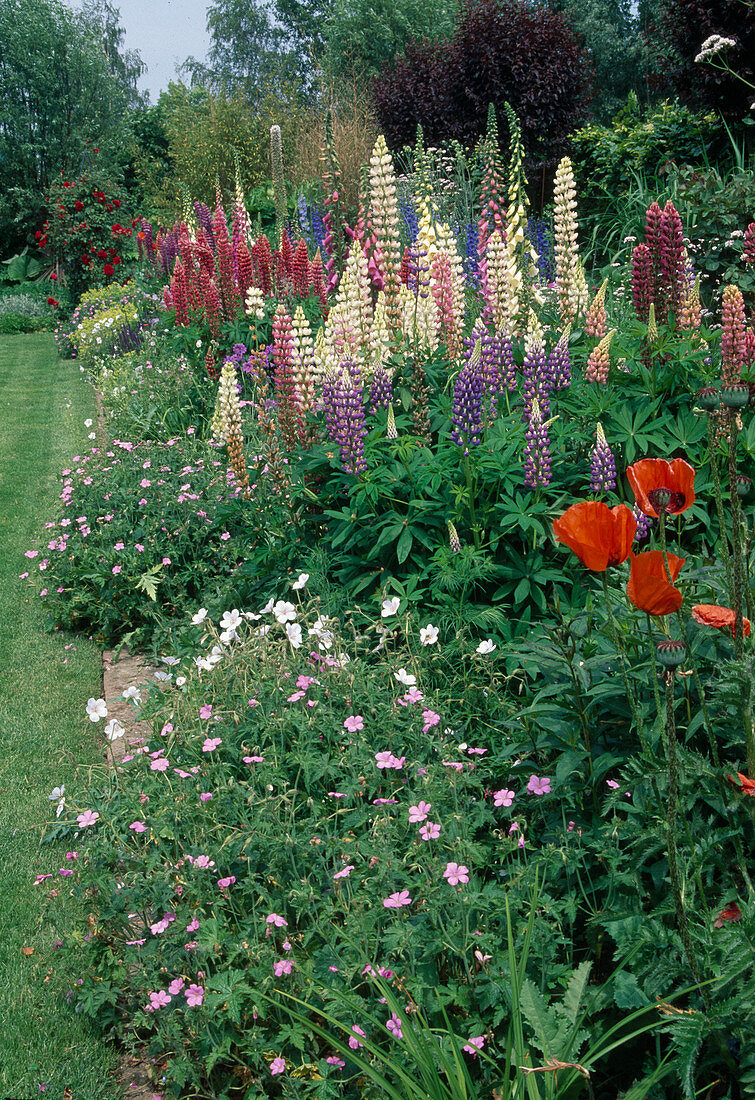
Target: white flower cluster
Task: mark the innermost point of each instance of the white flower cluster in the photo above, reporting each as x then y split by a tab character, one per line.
713	46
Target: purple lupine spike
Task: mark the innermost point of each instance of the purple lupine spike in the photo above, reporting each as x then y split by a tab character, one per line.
204	221
409	214
537	453
466	411
506	365
344	417
471	259
318	228
602	464
536	379
381	393
559	363
644	524
168	251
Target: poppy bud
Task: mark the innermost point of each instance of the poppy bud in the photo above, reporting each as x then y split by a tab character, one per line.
736	396
670	652
708	398
744	484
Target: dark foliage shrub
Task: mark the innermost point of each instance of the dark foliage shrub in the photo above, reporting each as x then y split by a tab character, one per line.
676	37
502	50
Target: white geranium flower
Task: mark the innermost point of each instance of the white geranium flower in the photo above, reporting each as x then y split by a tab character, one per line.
163	677
200	616
96	709
87	423
57	792
487	646
404	677
293	633
261	631
231	620
428	635
390	607
133	693
284	612
114	730
171	660
180	681
268	606
300	582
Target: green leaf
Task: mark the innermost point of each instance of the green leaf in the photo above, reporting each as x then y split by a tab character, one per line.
404	546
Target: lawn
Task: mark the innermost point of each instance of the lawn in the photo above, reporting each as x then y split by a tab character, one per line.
45	678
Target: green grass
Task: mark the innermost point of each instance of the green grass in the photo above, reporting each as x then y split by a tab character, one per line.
44	737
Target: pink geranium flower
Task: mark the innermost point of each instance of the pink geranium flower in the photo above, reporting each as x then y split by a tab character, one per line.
345	872
211	743
277	1065
138	826
503	797
474	1045
160	765
539	785
393	1024
159	999
282	966
353	1041
277	920
383	759
419	812
456	873
194	995
205	711
87	818
430	831
397	900
353	723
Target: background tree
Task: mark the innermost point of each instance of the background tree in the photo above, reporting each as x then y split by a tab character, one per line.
364	36
65	84
613	40
501	50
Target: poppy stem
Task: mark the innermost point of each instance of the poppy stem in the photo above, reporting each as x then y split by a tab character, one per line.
671	814
664	551
614	631
723	537
736	523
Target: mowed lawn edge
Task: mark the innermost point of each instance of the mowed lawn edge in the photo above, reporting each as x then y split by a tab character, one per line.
45	680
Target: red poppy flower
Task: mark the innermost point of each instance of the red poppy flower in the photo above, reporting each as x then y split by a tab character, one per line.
710	614
747	785
661	486
731	913
649	587
52	302
600	536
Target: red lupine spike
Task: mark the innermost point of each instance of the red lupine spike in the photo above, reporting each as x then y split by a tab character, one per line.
211	302
179	295
317	273
262	265
244	269
300	270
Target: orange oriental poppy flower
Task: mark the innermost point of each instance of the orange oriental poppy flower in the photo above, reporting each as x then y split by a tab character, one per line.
747	785
661	486
649	587
732	913
710	614
600	536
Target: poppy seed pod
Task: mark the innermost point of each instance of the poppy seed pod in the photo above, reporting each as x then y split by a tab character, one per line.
670	652
736	396
708	398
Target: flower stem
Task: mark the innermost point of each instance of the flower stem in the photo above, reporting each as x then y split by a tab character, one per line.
736	524
723	538
672	810
624	671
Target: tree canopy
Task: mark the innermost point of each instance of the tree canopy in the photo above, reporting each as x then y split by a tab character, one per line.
66	84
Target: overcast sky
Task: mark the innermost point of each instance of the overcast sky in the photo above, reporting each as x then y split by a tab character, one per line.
165	32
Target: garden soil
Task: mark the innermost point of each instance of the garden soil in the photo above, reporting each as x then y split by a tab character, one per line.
122	670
